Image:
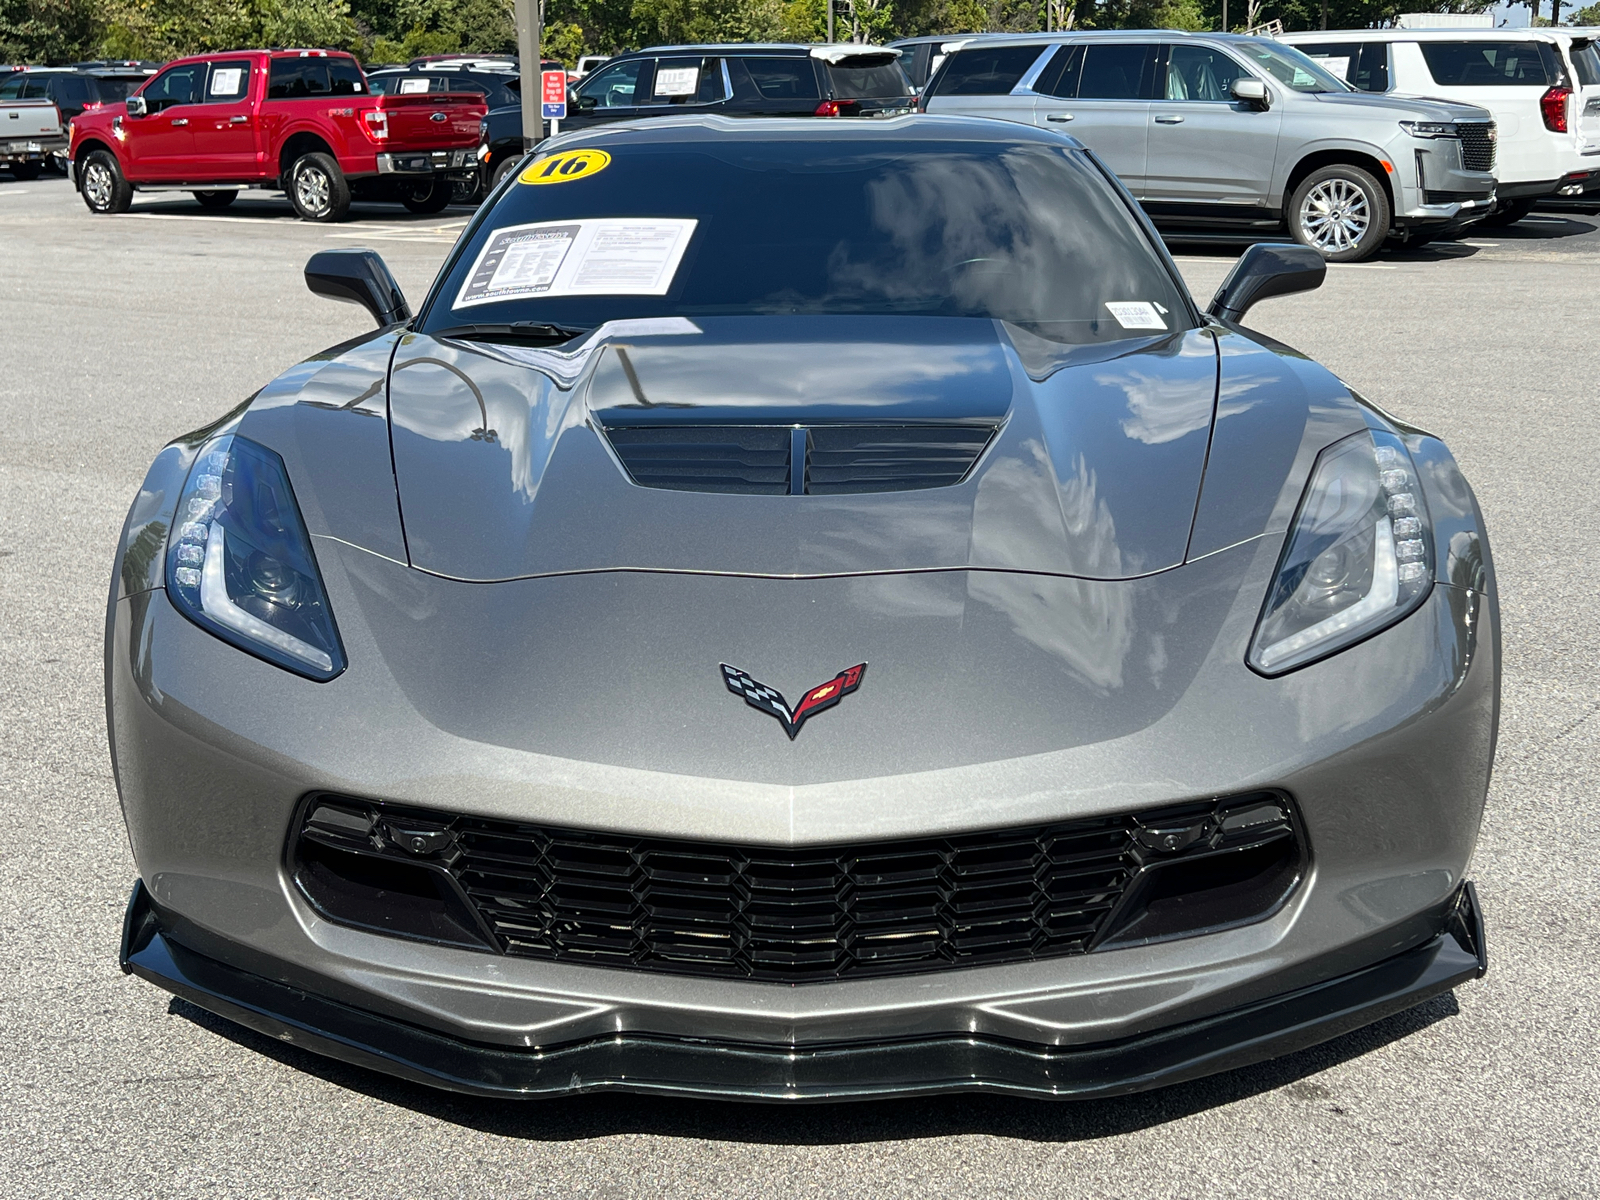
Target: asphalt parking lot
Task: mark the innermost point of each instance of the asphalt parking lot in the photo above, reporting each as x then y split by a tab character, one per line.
117	334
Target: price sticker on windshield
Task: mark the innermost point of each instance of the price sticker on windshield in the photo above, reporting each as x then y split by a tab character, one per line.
566	166
1136	314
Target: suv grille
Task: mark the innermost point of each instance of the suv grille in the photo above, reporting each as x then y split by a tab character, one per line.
831	459
1477	144
802	914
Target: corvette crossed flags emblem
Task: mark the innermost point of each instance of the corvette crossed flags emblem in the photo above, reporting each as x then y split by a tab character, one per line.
771	701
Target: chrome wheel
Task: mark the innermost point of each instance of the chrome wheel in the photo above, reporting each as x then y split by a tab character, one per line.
1336	215
312	190
97	185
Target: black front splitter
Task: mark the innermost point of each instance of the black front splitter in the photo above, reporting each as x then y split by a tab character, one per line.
846	1071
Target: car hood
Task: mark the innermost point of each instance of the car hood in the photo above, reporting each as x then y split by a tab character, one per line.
1408	108
507	467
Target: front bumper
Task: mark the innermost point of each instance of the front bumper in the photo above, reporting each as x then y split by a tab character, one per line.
427	162
1452	952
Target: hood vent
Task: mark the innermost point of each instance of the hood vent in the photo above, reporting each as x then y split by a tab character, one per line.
815	460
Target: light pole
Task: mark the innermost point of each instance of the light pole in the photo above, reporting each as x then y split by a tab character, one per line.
530	22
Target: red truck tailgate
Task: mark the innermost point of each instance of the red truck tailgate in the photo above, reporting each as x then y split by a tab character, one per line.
433	121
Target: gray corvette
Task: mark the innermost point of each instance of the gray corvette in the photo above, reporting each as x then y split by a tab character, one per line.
805	610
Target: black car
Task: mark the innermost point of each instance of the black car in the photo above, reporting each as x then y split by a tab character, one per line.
76	87
498	87
838	80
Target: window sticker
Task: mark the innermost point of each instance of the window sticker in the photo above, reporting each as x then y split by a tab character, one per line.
566	166
620	256
409	87
225	81
1334	66
677	81
1136	314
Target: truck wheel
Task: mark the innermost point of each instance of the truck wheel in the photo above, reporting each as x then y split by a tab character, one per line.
1341	212
317	189
216	199
507	165
104	188
1508	212
430	197
25	172
467	191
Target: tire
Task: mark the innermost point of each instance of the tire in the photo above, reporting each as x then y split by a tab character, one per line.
507	165
317	189
430	197
216	199
26	172
102	184
467	191
1341	212
1508	212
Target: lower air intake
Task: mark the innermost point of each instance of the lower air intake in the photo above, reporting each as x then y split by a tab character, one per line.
803	914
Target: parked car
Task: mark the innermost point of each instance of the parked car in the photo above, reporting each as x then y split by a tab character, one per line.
1542	85
1227	134
498	87
30	131
921	56
303	121
76	89
588	63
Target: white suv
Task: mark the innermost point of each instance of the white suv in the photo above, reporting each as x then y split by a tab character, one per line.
1542	85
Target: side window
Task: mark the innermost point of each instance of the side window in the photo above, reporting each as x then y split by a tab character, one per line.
1118	72
1336	58
986	72
1491	64
229	81
175	85
38	88
613	86
1060	78
344	77
688	81
781	78
297	78
74	90
11	89
1372	69
1200	73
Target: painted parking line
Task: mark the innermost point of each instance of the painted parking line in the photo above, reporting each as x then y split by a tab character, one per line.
13	191
241	219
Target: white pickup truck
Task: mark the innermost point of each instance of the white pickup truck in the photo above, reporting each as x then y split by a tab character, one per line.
30	130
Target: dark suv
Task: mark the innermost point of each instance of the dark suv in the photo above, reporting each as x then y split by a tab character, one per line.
838	80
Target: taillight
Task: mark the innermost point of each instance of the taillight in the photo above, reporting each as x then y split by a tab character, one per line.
376	123
838	108
1553	108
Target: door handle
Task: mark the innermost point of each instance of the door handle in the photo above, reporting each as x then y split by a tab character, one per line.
1169	119
176	121
237	120
1059	117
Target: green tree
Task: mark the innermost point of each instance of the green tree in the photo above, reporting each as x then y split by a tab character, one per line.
50	30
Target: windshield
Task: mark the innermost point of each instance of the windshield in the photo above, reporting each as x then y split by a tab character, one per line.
1027	233
1290	67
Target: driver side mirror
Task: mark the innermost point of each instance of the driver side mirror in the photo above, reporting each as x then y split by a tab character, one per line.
1264	271
1252	92
136	106
358	277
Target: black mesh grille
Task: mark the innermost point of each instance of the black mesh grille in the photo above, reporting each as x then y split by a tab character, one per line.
803	914
755	459
1477	145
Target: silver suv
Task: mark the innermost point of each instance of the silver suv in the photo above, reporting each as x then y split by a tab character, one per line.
1223	133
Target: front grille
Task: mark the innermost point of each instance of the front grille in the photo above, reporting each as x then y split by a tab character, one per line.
797	915
834	459
1477	144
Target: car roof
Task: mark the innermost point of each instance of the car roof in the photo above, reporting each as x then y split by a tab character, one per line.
712	129
1423	35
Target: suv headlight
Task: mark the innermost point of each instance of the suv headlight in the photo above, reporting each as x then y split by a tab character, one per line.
1359	555
239	561
1431	129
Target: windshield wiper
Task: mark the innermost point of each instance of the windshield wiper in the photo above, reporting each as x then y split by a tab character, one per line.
531	333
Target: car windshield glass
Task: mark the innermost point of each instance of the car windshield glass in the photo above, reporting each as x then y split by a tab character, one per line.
1290	67
1028	233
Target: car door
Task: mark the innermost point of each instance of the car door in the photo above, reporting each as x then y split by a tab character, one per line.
225	132
1205	147
1101	95
160	144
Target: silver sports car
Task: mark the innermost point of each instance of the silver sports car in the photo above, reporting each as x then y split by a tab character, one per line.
805	610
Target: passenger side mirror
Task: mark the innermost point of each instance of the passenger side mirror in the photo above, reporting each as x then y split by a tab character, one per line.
136	106
1251	91
1264	271
358	277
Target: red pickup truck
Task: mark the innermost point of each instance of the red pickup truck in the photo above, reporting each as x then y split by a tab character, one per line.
304	121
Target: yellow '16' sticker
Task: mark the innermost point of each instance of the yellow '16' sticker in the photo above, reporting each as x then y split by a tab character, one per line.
566	166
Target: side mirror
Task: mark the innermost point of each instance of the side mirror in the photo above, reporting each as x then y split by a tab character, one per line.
1251	91
585	103
358	277
136	106
1264	271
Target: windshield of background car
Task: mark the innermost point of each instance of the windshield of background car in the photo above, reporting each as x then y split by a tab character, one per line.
1492	64
869	82
117	87
1032	234
1290	67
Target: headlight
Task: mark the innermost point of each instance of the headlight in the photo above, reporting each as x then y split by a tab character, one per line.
239	561
1359	555
1430	129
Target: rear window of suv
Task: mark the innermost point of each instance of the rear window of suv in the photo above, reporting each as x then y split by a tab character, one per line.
1492	64
868	83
